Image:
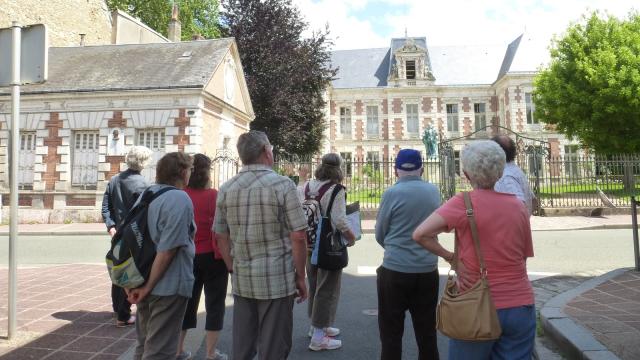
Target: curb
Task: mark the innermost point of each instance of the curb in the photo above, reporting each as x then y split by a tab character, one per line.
54	233
576	341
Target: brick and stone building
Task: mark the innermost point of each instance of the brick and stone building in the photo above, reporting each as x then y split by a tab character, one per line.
99	100
383	99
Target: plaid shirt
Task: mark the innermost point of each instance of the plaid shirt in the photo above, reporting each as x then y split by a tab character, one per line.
258	209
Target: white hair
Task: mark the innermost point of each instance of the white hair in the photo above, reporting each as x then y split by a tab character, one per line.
138	157
416	172
483	162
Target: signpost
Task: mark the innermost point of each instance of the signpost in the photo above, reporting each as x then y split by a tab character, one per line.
23	60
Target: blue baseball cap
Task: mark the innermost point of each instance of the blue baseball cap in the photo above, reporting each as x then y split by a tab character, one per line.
408	160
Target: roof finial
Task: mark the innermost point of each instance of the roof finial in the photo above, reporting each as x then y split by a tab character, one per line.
405	32
175	13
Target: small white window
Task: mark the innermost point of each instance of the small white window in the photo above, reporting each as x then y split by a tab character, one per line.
481	115
531	108
345	121
372	122
27	159
346	165
452	117
154	139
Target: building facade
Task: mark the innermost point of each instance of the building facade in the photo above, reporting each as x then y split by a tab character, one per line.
99	100
383	100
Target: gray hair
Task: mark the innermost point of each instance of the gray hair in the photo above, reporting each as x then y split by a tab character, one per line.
250	145
483	162
138	157
330	168
402	173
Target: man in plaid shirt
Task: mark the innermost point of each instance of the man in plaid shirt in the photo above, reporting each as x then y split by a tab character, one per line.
260	228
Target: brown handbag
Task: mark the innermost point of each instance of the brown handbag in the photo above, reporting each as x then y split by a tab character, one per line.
468	315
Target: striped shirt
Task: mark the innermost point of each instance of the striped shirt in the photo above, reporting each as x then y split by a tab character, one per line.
258	209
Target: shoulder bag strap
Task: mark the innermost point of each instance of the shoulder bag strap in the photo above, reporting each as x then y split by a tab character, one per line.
474	232
335	192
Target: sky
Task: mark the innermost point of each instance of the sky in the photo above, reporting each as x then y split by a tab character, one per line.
358	24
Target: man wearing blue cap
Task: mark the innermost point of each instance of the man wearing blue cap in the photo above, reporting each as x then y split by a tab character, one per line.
408	276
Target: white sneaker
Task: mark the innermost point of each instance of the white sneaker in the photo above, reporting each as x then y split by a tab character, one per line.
326	343
329	331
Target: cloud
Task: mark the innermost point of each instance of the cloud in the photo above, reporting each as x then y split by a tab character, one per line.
453	22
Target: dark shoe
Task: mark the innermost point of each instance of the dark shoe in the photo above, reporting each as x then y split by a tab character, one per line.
122	324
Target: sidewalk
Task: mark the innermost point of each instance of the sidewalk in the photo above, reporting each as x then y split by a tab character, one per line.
64	311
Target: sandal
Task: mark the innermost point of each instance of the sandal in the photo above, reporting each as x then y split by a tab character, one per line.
122	324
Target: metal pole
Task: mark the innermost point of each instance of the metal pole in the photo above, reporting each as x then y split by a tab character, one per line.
13	215
634	222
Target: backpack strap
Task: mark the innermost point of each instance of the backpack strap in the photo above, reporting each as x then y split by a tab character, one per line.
323	189
147	197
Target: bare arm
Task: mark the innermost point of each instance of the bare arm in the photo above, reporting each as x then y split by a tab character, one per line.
160	265
225	250
299	249
426	234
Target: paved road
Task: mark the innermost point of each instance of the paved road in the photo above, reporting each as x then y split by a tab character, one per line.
566	252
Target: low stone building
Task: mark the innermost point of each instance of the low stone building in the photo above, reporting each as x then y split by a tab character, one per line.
99	100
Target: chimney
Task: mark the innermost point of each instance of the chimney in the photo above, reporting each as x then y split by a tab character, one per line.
175	29
82	39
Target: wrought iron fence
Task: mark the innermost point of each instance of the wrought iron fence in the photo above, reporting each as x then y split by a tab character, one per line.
559	182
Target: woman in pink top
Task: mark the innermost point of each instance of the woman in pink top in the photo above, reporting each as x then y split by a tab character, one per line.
209	268
505	241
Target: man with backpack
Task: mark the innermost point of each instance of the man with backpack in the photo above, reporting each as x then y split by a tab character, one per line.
260	228
162	299
121	192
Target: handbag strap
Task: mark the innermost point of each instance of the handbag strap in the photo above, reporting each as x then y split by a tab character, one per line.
335	192
474	231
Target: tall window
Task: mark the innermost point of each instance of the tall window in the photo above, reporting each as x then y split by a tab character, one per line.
372	122
346	165
412	120
27	159
85	159
154	139
373	158
481	115
536	162
571	160
345	121
452	117
410	68
531	108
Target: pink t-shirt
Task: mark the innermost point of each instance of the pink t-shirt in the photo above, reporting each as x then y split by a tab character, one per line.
505	241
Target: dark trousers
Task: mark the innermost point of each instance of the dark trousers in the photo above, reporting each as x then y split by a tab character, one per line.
212	275
397	293
262	327
121	306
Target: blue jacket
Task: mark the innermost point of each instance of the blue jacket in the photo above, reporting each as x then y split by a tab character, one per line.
402	208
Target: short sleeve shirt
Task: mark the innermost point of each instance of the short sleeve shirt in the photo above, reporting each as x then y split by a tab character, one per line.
505	241
171	226
258	209
514	181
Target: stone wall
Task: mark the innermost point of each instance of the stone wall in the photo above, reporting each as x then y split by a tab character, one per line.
65	19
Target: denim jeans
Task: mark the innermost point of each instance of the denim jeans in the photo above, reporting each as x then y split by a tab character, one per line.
516	342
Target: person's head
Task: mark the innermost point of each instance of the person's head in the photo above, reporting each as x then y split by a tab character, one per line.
254	148
174	169
507	144
201	173
330	169
138	157
483	163
408	163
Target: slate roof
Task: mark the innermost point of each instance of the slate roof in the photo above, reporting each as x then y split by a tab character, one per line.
451	65
131	67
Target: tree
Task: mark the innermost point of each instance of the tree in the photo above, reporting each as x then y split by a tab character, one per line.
198	17
286	74
591	88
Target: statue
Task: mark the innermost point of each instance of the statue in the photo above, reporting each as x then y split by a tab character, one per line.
430	141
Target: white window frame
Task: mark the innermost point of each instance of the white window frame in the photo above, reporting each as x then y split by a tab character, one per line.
347	158
452	118
27	157
345	120
85	154
373	127
413	120
373	158
155	140
530	108
480	111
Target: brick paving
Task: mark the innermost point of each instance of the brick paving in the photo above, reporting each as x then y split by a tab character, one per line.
64	312
611	312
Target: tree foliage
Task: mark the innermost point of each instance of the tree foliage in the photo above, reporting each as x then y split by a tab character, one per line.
286	74
197	17
591	89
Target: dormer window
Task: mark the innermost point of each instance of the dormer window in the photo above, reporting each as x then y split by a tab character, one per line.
410	68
